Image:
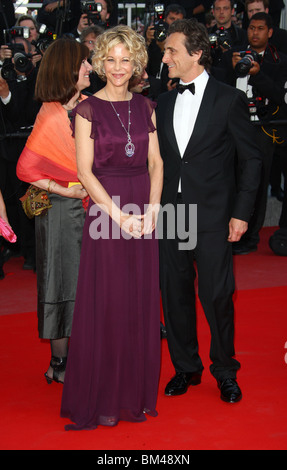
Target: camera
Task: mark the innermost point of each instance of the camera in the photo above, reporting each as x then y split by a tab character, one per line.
22	62
221	37
160	26
46	37
244	65
93	12
16	32
259	108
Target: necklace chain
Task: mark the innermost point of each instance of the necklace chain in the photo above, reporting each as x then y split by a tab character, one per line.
129	148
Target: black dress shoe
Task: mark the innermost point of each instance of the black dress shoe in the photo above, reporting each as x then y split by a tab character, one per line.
230	391
8	253
179	384
278	193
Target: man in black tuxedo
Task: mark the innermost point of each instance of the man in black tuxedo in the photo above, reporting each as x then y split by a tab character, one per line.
199	134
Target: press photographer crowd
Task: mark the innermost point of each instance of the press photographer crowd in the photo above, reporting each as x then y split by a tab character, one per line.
248	50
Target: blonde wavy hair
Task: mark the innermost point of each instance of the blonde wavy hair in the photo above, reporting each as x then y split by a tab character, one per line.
132	41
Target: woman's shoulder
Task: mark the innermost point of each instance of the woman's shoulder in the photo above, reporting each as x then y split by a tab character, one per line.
144	101
86	107
86	101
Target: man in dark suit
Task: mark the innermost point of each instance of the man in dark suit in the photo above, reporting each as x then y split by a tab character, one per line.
229	34
199	134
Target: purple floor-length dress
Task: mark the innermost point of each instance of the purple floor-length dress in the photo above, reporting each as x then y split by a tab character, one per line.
114	356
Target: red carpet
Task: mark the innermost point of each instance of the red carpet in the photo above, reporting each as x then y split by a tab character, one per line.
198	420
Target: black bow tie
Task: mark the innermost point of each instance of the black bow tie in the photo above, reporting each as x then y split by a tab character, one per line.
182	88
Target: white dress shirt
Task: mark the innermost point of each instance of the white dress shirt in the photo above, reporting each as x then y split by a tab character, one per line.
185	112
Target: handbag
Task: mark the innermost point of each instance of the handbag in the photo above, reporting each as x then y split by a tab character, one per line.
35	202
7	232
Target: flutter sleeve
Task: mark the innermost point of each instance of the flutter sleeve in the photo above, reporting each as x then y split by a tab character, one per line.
87	111
150	107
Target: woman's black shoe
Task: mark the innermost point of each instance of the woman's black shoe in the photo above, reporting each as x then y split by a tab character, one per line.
58	364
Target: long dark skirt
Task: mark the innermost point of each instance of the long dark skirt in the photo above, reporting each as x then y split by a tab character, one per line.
58	248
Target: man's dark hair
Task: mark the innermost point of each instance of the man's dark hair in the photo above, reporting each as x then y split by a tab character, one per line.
196	38
262	16
231	3
175	8
265	3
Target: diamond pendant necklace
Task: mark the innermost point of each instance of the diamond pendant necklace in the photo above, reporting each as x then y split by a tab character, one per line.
129	148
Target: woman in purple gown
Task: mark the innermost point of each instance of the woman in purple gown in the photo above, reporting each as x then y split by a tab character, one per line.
114	356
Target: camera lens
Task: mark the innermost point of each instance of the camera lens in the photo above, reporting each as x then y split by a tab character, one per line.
243	66
20	61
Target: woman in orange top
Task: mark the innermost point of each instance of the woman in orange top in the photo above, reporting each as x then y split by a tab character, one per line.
48	161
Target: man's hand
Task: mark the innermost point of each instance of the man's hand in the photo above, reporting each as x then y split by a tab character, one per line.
171	85
236	57
149	35
83	22
255	68
52	6
5	53
236	229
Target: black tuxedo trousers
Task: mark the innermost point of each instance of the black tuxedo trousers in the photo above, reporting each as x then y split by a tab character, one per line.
210	264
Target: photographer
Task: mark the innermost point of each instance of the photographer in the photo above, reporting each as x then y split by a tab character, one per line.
261	72
164	18
155	40
97	14
279	40
224	34
88	38
18	111
279	36
28	21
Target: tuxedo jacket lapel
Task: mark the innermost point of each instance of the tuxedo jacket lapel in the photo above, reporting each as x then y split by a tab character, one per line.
169	122
204	113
